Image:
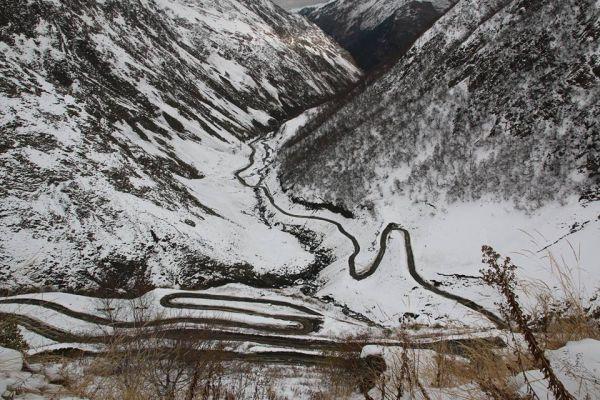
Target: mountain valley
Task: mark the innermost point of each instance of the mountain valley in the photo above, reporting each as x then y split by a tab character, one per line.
226	199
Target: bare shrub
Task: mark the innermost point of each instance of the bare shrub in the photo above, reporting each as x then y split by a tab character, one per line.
501	275
143	360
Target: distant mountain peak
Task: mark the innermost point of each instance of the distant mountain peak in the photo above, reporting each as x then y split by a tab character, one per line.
376	32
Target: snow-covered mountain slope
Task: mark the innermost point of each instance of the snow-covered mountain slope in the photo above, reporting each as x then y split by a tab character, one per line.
376	32
498	99
485	132
121	124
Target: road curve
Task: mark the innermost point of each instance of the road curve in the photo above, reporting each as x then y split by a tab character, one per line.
179	328
372	268
299	324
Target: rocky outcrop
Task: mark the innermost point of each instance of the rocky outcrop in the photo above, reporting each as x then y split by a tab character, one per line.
378	32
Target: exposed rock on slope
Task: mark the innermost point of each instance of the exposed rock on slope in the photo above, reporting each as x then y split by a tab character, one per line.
121	123
498	100
376	32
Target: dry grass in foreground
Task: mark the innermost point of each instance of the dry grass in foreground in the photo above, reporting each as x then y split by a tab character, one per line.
480	370
145	364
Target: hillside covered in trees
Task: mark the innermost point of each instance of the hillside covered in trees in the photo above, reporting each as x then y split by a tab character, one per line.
498	100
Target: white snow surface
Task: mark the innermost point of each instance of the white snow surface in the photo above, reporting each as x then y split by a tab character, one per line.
577	365
17	384
10	360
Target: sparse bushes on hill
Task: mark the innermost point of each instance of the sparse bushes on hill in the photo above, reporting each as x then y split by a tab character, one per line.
10	335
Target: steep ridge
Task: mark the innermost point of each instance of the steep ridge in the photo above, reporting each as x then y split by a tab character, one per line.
376	32
499	99
485	132
121	123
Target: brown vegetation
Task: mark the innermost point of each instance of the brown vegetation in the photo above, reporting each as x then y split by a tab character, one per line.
479	369
145	363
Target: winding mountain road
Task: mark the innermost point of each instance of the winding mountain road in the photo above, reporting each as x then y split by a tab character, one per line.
372	268
294	337
288	330
296	324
